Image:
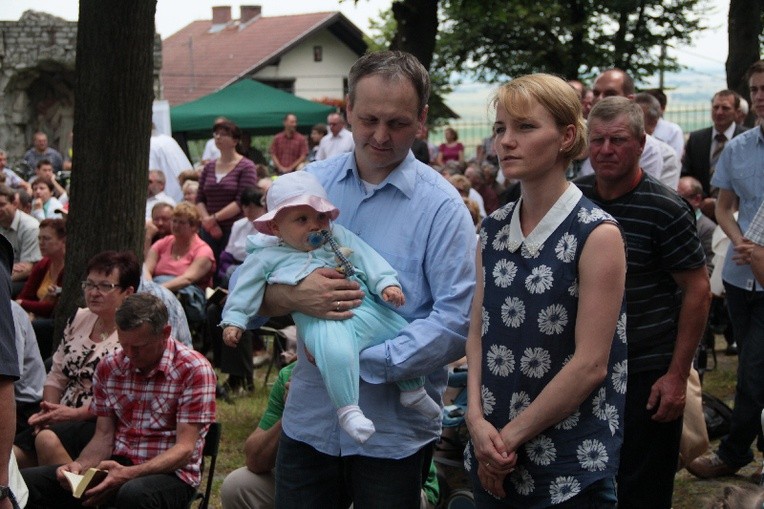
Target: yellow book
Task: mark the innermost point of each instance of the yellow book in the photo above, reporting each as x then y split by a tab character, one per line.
80	483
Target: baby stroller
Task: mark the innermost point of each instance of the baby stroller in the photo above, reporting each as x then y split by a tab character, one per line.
455	485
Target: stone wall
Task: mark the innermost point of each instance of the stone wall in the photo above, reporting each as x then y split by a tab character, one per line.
37	57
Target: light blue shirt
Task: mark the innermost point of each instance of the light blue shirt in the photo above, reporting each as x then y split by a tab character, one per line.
176	317
740	168
418	222
273	262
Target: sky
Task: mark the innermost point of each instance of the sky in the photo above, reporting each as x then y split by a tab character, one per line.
704	57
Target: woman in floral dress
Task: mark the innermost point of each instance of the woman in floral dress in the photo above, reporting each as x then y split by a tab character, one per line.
546	348
64	424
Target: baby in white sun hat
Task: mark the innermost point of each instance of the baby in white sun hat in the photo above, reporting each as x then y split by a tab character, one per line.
300	238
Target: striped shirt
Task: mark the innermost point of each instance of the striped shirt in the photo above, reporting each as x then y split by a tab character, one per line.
147	408
216	195
661	238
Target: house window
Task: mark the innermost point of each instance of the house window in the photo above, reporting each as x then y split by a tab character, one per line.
285	85
318	53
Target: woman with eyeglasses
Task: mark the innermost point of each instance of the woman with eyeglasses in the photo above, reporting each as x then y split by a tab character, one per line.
64	424
221	183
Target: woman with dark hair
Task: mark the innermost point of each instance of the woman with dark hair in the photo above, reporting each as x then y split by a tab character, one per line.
317	132
452	149
64	424
221	183
45	204
41	290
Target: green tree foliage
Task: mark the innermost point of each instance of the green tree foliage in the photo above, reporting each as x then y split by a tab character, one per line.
491	40
384	35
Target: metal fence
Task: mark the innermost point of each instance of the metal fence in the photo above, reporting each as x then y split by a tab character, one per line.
690	117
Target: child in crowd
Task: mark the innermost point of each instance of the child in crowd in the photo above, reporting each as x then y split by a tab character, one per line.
299	239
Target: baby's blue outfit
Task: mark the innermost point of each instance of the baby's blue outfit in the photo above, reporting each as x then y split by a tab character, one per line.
334	343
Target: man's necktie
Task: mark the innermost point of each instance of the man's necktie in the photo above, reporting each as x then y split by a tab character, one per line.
720	141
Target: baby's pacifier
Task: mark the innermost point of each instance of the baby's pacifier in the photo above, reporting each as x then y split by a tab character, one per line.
317	239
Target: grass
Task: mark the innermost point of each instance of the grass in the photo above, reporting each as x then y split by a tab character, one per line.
241	417
689	491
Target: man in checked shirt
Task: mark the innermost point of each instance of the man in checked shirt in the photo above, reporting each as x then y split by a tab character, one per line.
154	400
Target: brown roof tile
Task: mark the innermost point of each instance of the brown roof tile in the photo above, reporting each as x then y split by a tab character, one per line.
221	58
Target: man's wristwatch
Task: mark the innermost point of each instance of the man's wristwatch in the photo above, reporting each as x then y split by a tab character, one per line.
5	492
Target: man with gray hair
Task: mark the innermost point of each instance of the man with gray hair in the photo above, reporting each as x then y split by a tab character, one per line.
741	113
653	161
667	298
668	132
337	141
652	111
154	399
156	192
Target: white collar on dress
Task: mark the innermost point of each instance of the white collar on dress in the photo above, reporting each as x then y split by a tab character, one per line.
548	224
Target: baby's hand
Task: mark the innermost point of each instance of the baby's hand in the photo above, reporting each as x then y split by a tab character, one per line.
394	295
232	335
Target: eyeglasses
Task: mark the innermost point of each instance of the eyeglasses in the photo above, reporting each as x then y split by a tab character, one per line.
103	288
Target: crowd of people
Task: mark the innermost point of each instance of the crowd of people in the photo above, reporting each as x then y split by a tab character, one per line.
570	262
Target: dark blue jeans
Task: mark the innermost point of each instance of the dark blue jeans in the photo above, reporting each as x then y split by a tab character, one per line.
309	479
746	309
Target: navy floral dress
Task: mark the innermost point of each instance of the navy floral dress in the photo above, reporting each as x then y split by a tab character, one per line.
528	334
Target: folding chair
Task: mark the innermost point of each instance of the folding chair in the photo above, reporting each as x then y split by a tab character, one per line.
211	448
278	346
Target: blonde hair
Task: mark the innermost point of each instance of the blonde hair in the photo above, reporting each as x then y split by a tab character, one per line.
188	212
555	95
461	183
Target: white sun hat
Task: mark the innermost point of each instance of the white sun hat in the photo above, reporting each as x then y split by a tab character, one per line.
291	190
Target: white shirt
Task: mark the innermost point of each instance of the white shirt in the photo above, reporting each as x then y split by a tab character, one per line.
672	166
153	200
331	145
237	242
654	157
211	151
475	196
165	154
728	133
671	133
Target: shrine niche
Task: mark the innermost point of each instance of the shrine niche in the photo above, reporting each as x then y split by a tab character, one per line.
37	59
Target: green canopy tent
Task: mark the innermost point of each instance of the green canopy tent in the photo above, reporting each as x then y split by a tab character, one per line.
253	106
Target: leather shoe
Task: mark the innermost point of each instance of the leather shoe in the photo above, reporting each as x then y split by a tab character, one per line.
710	466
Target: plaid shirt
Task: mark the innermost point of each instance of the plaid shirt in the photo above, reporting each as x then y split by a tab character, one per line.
288	150
146	408
755	231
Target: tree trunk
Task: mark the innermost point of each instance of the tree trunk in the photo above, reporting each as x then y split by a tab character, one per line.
112	126
743	32
417	28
